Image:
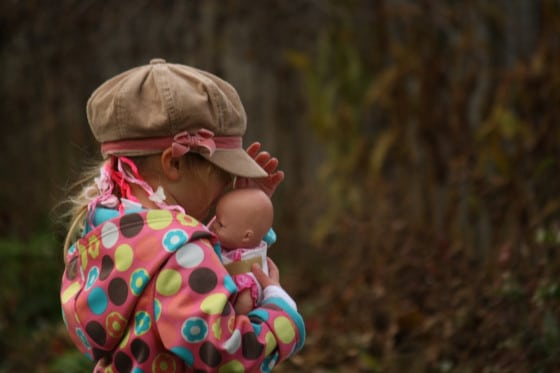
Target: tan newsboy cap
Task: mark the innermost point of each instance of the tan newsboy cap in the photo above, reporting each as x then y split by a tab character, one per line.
148	108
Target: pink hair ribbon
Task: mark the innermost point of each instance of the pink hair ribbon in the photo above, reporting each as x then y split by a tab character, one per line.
125	178
122	172
202	139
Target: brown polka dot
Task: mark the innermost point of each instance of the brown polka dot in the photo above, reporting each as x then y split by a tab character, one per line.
255	320
140	350
210	354
118	291
99	354
227	310
123	363
252	349
131	225
72	269
203	280
200	234
97	333
106	267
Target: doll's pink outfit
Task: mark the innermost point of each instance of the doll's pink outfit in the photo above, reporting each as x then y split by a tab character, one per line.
247	280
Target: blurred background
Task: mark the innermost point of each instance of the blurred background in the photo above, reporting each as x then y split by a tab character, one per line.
419	222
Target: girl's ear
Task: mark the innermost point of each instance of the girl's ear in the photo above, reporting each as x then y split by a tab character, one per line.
170	166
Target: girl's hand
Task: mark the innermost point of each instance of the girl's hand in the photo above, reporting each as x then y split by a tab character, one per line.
273	277
269	164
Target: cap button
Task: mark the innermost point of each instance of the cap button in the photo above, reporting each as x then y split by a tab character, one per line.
154	61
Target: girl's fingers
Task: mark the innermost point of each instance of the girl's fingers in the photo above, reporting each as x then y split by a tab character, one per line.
261	277
273	277
273	271
262	158
253	149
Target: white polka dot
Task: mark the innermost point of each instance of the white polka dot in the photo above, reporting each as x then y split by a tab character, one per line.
189	256
233	343
109	235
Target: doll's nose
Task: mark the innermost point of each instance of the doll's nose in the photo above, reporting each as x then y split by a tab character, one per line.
211	225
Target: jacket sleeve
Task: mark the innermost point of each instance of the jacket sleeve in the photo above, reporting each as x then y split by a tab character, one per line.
197	322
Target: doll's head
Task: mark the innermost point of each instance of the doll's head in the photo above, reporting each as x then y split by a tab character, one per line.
243	217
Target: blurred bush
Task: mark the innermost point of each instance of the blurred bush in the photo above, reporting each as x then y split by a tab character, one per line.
440	210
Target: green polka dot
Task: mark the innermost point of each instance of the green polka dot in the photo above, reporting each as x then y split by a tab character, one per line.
168	282
125	339
159	219
213	304
187	220
217	329
270	343
70	292
284	329
232	366
123	257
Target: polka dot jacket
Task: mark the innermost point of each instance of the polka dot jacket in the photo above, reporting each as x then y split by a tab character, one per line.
147	292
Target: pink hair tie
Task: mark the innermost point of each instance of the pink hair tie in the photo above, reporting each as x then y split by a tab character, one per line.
132	176
102	191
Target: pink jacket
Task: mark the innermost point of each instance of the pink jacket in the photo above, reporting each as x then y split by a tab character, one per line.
147	292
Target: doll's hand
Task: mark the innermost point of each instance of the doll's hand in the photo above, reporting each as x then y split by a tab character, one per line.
273	277
243	303
269	183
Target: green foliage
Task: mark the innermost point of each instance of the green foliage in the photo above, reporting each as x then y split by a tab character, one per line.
29	310
72	361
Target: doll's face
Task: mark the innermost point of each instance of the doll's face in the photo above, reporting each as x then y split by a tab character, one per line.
243	216
229	227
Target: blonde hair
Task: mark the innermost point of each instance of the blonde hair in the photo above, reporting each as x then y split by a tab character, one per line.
84	190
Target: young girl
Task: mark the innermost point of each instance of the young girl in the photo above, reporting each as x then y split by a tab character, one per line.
144	289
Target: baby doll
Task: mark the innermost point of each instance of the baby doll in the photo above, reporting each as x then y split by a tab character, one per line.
243	218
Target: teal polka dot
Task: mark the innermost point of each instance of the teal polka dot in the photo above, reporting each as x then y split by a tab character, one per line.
138	281
269	363
83	338
157	309
93	275
137	370
174	239
259	313
184	354
143	323
257	328
194	329
64	319
97	301
230	284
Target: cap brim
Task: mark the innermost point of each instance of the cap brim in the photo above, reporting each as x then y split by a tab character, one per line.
237	162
